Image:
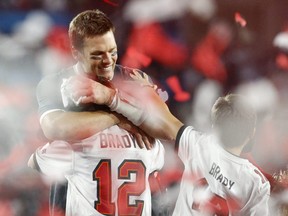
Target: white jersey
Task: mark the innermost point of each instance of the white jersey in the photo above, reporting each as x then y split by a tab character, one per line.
216	182
107	173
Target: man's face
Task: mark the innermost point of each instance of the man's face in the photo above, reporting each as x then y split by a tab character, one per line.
99	56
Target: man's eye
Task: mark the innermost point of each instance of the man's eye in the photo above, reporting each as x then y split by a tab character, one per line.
96	57
114	53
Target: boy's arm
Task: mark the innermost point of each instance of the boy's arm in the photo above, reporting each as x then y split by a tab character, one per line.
159	122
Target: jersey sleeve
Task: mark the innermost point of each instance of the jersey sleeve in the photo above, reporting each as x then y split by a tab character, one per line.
186	140
261	206
258	203
54	159
48	94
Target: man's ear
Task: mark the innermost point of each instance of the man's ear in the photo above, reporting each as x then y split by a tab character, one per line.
75	54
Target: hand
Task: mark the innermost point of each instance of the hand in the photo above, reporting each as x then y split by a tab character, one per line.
142	79
80	89
142	139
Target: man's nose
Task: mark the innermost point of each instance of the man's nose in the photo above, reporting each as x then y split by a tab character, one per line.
107	58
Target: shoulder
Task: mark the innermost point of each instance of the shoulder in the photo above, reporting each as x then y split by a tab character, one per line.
187	133
55	78
188	139
255	191
158	146
256	179
259	177
55	147
67	72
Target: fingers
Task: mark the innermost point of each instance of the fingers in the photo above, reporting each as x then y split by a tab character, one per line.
81	96
80	89
145	76
139	140
151	140
144	140
147	142
82	92
142	78
139	76
86	99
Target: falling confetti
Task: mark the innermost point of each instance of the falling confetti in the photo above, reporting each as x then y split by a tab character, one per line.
239	19
115	4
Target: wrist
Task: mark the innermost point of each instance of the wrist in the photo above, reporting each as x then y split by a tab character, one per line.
128	108
112	94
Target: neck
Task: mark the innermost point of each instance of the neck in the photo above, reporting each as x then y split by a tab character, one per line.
238	149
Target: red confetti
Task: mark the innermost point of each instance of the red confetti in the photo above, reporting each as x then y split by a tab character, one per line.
115	4
239	19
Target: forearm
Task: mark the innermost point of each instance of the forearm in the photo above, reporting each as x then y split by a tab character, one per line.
165	129
150	113
73	126
159	121
143	107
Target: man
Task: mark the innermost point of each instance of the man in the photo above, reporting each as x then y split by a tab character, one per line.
107	173
94	47
63	116
215	180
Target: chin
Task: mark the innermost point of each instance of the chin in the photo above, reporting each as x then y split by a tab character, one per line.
109	76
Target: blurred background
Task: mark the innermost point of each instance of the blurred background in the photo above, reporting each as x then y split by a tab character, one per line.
195	50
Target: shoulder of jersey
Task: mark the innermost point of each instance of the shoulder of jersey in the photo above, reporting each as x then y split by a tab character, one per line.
257	177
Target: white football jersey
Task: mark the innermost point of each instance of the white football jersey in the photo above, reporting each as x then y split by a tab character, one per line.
107	173
216	182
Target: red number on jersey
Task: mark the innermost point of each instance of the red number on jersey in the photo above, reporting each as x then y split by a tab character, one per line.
216	205
131	188
102	174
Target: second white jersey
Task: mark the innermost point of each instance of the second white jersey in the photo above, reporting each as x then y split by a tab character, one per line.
216	181
107	173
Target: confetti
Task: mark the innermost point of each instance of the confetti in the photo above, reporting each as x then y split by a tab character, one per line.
115	4
239	19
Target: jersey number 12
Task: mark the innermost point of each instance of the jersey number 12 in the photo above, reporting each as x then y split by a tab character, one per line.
102	174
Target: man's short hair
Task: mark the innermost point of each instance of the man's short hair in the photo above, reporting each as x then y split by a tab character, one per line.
234	119
88	24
